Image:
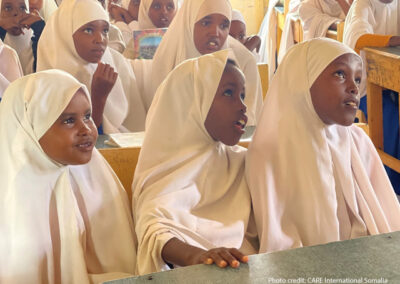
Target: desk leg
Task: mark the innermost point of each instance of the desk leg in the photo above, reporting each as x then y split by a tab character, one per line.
375	118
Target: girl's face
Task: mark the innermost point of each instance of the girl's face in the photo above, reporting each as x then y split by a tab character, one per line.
226	118
70	140
162	12
91	40
133	9
210	33
335	93
35	5
13	8
238	31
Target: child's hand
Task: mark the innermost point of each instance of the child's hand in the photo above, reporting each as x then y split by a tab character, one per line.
119	14
10	24
253	42
103	81
222	257
26	20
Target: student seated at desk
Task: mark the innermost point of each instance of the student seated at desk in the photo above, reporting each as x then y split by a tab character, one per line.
317	16
238	32
10	68
81	48
374	23
21	30
202	27
191	202
314	177
64	216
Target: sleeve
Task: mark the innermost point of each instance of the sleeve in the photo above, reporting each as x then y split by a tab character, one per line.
372	40
37	31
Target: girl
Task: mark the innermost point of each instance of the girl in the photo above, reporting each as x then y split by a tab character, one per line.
44	8
153	14
64	216
80	47
314	177
190	197
10	68
317	16
125	17
21	30
201	27
376	23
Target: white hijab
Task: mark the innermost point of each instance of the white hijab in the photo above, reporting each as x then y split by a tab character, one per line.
178	45
318	15
57	50
143	17
312	183
22	44
10	68
48	8
189	186
59	224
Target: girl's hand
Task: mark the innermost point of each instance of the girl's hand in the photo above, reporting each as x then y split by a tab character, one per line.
103	81
27	20
9	24
253	42
222	257
119	14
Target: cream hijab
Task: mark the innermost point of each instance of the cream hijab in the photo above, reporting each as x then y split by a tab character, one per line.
318	15
178	45
48	8
10	68
22	44
143	17
59	224
312	183
189	186
57	50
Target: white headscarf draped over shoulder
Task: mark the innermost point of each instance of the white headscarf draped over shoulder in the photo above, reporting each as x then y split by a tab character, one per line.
318	15
371	17
22	44
57	50
313	183
10	68
178	45
58	223
143	16
189	186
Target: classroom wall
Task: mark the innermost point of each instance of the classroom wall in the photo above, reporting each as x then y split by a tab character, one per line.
253	12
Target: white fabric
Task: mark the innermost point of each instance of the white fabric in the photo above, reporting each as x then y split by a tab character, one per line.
57	50
10	67
127	30
49	6
267	34
370	17
59	224
189	186
178	45
312	183
22	44
318	15
237	16
116	39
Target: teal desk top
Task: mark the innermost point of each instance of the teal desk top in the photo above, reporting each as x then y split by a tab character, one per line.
373	259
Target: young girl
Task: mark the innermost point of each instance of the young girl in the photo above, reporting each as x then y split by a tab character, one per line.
190	199
125	17
376	23
64	216
10	68
153	14
238	32
317	16
80	48
21	30
201	27
315	178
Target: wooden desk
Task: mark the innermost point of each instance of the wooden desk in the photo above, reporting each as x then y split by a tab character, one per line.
374	258
383	69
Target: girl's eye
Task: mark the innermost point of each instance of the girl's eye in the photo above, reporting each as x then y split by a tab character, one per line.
224	26
22	8
88	30
340	74
88	116
8	8
156	6
105	31
205	23
242	96
69	120
358	81
228	93
170	7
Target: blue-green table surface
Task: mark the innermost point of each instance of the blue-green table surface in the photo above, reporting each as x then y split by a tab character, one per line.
373	259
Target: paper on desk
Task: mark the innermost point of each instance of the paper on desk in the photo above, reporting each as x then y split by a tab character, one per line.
122	140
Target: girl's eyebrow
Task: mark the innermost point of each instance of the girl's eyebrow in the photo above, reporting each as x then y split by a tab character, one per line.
65	114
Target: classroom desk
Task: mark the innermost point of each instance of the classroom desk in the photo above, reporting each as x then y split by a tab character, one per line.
373	259
383	71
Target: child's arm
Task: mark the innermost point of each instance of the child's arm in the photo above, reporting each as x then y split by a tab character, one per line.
179	253
103	81
253	42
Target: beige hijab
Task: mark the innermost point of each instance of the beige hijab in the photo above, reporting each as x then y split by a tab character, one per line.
10	68
312	183
189	186
59	224
178	45
57	50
